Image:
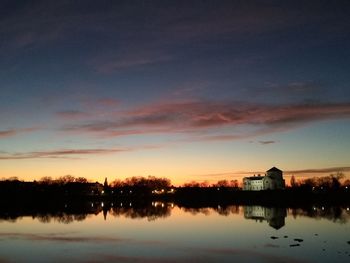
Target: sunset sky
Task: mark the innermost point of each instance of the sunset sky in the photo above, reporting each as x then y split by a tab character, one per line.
189	90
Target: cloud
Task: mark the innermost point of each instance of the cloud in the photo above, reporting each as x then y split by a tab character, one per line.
266	142
70	153
327	170
109	102
66	153
72	114
14	132
109	65
8	133
203	120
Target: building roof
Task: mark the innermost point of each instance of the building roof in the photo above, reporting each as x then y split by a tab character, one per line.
254	177
274	169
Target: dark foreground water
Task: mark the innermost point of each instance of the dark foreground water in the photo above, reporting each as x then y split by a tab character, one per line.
163	232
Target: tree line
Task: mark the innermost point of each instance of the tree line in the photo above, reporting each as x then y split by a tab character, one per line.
330	182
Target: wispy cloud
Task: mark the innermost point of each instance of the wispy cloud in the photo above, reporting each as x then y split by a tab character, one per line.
266	142
8	133
72	114
202	120
14	132
109	65
327	170
70	153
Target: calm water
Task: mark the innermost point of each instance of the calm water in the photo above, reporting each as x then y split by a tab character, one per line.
167	233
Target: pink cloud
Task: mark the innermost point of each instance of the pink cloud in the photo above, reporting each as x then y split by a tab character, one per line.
200	118
72	114
8	133
72	153
109	102
14	132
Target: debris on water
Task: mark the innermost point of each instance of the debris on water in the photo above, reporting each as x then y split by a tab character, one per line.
323	249
285	236
316	234
298	240
294	245
348	242
273	237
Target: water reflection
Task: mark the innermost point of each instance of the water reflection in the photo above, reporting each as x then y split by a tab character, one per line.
273	215
68	213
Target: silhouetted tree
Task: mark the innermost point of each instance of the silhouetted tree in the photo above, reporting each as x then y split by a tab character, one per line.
222	183
335	180
46	180
150	182
293	182
117	183
81	180
234	183
191	184
66	179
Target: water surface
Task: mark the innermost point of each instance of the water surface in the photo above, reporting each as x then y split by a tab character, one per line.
163	232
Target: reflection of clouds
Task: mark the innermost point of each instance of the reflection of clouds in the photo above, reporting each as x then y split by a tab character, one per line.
196	254
240	255
124	258
73	237
60	237
271	245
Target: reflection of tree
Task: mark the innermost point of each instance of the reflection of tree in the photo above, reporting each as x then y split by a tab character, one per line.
149	212
195	211
221	210
60	217
65	219
80	217
68	213
334	214
45	218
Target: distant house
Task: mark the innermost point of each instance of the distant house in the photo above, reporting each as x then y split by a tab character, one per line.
272	180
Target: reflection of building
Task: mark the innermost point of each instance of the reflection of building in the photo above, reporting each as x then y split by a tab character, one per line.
274	216
272	180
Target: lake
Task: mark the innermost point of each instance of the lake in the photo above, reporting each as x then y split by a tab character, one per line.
165	232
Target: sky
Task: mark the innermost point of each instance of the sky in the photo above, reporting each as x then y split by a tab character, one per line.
188	90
